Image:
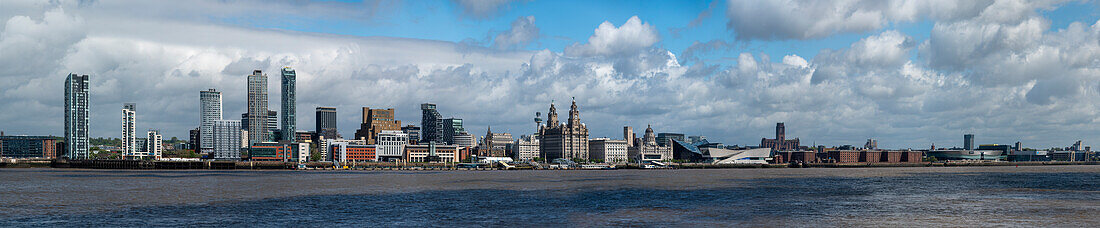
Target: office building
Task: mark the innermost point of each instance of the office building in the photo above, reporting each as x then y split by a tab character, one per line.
465	140
871	144
665	139
628	136
413	131
647	149
227	140
154	145
526	148
129	134
272	126
563	140
28	147
431	153
391	145
780	143
257	108
76	117
497	140
326	123
285	151
305	136
210	105
289	120
374	122
968	142
195	138
345	152
607	150
451	128
431	124
325	147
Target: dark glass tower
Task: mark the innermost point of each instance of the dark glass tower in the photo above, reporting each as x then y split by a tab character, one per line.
289	121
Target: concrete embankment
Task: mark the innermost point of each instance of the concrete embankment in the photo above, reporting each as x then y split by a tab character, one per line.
275	165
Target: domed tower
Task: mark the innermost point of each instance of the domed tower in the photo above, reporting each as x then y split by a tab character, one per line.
650	138
552	116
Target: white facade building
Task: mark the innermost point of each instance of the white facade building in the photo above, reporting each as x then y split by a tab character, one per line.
210	104
526	148
129	134
227	140
154	144
607	150
391	144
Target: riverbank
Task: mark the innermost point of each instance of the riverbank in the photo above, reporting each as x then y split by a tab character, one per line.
273	165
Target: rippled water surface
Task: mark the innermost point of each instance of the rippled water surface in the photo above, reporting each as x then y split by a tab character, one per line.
957	196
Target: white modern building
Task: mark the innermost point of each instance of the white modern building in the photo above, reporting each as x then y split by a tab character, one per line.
749	156
153	142
210	104
227	140
526	148
129	134
391	145
607	150
326	145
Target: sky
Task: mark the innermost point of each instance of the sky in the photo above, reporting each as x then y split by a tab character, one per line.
908	73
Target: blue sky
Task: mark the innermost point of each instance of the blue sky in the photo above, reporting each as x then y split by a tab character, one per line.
908	73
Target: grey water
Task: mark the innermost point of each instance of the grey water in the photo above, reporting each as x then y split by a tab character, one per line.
1062	196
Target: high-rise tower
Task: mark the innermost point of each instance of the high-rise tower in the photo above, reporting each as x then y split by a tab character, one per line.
289	119
129	137
76	116
257	108
210	103
326	123
431	124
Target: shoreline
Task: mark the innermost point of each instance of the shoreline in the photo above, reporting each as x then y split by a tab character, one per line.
382	166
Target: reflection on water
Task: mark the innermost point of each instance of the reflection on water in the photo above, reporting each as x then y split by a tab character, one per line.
962	196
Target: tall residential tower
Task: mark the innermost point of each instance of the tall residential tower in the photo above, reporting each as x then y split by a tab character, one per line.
129	134
257	108
289	119
210	103
76	116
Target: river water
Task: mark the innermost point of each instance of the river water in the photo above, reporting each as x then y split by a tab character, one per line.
910	197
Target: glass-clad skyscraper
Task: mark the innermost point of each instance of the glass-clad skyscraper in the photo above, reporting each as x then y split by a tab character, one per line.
289	120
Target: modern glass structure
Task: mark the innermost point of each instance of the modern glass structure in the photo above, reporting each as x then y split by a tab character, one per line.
210	103
326	122
257	107
451	128
289	119
968	141
28	147
76	117
431	124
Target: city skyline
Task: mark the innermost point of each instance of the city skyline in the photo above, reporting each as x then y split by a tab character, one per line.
909	79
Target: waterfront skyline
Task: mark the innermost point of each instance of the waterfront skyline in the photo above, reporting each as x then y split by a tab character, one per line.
904	74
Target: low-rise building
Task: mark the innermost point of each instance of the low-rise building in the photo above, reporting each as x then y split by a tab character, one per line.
607	150
28	147
526	148
286	151
431	153
346	152
391	145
